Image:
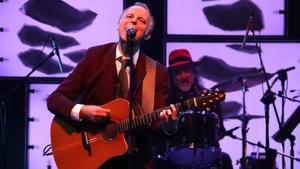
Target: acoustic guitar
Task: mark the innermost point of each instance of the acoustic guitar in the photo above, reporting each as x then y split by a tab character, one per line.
78	145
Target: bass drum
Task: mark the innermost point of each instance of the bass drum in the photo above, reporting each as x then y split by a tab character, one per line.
195	144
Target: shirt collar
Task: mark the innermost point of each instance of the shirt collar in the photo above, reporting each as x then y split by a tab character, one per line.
135	55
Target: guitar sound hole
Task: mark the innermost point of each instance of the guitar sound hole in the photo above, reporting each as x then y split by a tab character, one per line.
110	132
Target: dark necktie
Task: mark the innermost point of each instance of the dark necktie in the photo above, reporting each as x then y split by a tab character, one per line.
123	77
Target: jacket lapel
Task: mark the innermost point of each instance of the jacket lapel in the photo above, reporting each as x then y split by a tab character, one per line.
110	70
107	70
140	71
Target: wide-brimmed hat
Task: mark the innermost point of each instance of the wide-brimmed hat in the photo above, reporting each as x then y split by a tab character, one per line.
180	57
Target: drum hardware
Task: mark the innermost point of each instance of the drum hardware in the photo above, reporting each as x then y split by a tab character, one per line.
230	132
242	83
244	120
195	143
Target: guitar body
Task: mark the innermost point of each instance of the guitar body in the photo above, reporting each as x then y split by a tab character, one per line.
68	146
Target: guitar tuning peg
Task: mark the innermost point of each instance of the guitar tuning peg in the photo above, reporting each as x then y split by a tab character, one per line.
208	109
216	89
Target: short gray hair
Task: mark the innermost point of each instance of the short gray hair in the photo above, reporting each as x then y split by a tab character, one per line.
143	5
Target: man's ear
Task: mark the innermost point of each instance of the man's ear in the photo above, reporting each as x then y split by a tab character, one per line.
148	36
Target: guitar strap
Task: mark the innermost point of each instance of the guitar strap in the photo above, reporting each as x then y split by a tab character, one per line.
148	90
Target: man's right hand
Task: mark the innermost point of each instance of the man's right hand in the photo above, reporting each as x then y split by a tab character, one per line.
94	113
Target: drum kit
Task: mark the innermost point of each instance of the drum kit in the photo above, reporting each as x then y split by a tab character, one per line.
195	145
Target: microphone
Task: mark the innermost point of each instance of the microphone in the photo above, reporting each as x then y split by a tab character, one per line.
130	32
248	28
230	132
285	70
56	51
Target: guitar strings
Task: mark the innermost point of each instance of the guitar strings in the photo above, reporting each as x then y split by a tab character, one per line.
102	136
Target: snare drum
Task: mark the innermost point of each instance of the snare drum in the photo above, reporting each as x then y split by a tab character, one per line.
196	142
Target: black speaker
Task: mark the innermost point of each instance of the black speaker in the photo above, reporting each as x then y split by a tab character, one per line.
13	99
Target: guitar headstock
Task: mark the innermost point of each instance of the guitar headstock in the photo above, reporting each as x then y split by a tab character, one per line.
206	99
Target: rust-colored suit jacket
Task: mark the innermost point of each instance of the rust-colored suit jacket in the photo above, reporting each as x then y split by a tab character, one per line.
92	81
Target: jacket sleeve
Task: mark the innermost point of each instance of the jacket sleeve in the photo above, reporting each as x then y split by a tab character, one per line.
63	99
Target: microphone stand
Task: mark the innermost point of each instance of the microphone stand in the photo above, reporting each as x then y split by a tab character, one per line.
131	89
3	107
268	97
282	76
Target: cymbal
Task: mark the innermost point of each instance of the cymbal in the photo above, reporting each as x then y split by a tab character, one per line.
230	108
235	84
240	117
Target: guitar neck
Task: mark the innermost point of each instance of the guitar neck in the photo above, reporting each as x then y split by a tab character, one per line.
205	100
139	121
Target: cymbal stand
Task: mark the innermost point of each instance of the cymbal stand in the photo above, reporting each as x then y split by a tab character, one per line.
245	121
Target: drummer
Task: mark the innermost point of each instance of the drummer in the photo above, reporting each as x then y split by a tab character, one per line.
185	85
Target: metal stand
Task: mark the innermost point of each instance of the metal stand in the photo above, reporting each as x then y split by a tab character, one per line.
268	97
282	76
292	153
244	124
